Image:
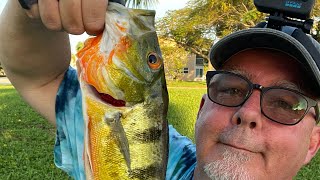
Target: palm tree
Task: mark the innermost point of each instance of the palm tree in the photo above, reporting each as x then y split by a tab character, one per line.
141	3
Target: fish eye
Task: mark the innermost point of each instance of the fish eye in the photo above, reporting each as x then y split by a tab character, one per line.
154	61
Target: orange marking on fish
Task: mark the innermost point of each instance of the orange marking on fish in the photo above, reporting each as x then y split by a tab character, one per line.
90	60
121	28
123	45
110	57
91	42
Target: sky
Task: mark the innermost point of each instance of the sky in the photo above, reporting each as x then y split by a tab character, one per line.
161	8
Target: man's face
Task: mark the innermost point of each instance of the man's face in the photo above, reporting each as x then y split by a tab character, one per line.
240	142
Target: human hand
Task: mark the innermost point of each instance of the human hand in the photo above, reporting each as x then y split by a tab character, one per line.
71	16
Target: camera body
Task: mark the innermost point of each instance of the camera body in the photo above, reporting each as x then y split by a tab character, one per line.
300	9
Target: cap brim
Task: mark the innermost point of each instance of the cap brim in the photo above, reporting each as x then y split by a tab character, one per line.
262	38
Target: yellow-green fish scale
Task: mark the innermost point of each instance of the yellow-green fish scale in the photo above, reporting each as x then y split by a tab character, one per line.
101	144
104	149
132	90
137	122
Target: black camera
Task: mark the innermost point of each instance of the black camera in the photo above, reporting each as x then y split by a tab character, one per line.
300	9
293	13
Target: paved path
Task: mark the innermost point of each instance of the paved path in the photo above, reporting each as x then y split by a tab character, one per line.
4	81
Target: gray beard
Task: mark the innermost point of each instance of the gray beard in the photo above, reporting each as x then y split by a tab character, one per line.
229	168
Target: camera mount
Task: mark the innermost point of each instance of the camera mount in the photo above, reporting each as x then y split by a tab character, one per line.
293	13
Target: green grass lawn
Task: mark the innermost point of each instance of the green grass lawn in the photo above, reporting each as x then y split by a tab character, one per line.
26	139
184	98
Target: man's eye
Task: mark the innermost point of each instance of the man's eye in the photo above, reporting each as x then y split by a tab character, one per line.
282	104
231	91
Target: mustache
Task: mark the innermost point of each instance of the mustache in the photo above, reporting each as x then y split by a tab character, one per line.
241	138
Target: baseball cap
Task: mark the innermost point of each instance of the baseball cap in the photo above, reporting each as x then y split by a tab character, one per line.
290	40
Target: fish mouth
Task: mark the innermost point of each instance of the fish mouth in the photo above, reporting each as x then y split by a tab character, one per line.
107	98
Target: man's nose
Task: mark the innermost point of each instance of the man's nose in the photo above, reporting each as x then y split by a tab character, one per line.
249	114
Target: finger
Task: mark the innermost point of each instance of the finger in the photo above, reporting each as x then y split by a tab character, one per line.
93	14
33	12
71	17
49	13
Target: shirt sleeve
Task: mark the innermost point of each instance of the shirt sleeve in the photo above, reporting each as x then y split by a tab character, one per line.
182	157
68	149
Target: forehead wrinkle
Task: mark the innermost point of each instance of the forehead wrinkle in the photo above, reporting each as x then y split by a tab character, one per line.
281	83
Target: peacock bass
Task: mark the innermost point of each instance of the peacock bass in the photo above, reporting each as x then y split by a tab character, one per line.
125	99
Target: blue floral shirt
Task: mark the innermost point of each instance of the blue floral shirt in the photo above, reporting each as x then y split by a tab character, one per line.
68	150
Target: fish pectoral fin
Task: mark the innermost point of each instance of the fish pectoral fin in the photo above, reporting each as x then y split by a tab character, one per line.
114	121
127	112
88	167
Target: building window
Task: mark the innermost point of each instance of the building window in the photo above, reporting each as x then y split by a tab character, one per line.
199	61
199	72
185	70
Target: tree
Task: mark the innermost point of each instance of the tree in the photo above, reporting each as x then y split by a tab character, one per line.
79	46
316	14
175	58
202	22
141	3
178	27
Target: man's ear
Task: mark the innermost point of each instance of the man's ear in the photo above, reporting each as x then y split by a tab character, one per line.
201	104
314	144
